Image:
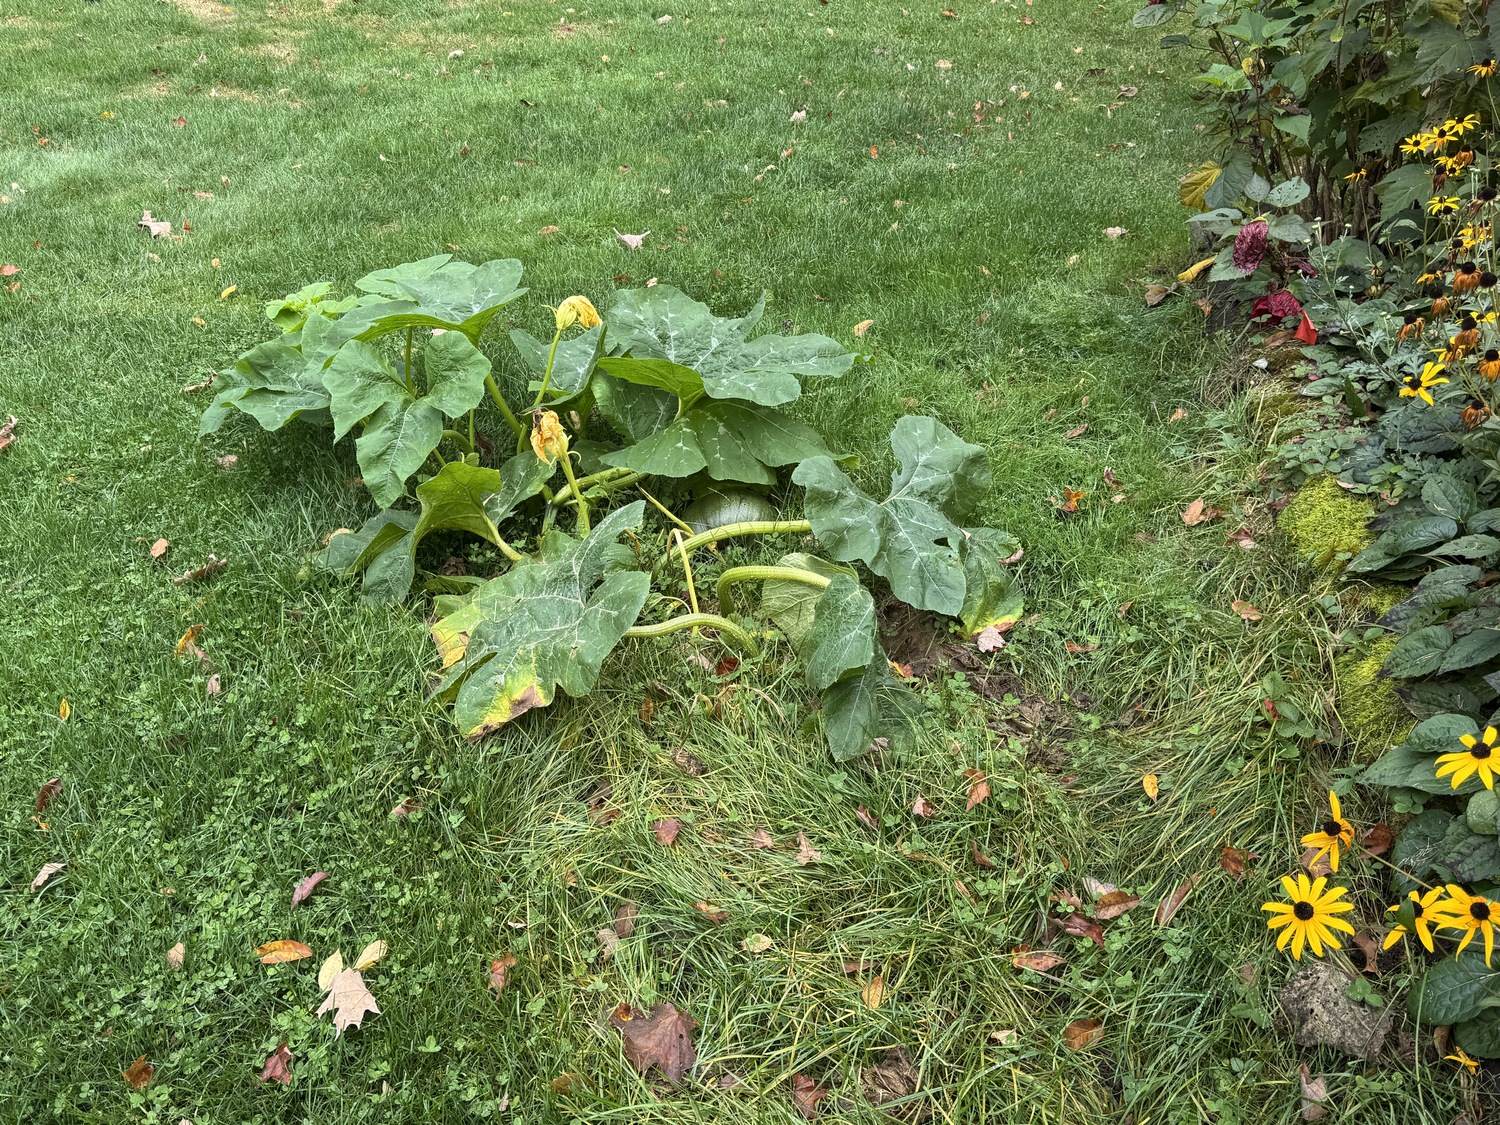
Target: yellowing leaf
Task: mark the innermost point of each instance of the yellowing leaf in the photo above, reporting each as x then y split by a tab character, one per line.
64	710
1150	785
188	639
369	955
330	969
863	326
1193	271
1194	186
874	992
230	292
284	949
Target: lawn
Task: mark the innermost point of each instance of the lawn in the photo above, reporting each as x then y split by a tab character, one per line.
946	174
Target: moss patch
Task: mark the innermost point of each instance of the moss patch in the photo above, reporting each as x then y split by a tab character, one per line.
1328	525
1368	708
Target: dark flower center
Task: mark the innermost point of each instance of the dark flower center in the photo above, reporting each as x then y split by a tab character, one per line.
1468	324
1416	908
1487	279
1411	316
1488	193
1480	752
1491	355
1332	828
1303	911
1467	268
1480	911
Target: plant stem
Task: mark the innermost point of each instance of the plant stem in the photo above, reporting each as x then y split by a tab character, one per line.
662	508
582	504
411	380
466	444
508	551
505	411
754	573
547	376
695	621
605	478
471	431
687	570
749	527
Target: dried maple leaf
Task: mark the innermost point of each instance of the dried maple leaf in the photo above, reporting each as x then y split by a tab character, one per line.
1200	512
760	839
806	853
1040	961
277	1064
862	327
306	887
923	807
665	831
1369	945
989	639
157	228
1234	861
1314	1095
500	969
1168	907
663	1040
1078	649
138	1073
718	915
1377	841
806	1093
50	790
633	241
1069	502
349	1000
979	788
866	817
1080	1033
282	950
175	957
48	870
1076	925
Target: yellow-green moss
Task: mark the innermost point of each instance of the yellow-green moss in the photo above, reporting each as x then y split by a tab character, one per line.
1375	601
1368	708
1326	522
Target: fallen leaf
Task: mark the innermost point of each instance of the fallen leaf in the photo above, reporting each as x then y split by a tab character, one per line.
179	121
189	639
666	831
230	292
806	853
625	919
549	230
563	1084
866	817
159	549
369	955
806	1093
1234	861
1124	609
874	992
923	807
688	763
715	914
1205	306
175	957
157	228
989	639
212	566
1095	887
663	1040
1317	864
633	241
349	1000
306	887
757	943
727	666
1077	431
760	839
1156	294
9	270
1178	415
862	327
1193	271
1115	232
1115	903
1076	925
8	431
276	1066
609	941
1248	973
138	1073
48	870
1069	502
214	687
1168	907
329	970
500	969
64	709
1040	961
1377	841
228	461
1080	1033
282	950
1245	610
405	807
1129	91
1314	1095
980	858
47	792
1369	945
1199	512
1243	538
1078	649
893	1081
1151	785
979	788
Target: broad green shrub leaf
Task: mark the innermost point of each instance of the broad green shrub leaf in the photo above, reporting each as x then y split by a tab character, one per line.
1482	814
1447	496
664	323
453	296
663	374
455	371
992	596
909	538
1472	857
274	383
571	368
842	637
1455	989
1402	187
380	549
1440	734
1418	653
1153	14
394	445
1476	648
790	605
1288	193
1407	768
1468	547
636	412
545	624
1419	846
360	380
734	441
1480	1036
1412	533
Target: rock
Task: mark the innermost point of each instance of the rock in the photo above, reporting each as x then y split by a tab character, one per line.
1314	1005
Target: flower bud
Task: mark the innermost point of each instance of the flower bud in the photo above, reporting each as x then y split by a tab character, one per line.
576	310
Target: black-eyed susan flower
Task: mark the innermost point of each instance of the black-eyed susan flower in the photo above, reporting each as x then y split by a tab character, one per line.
1310	917
1438	139
1486	194
1487	279
1333	834
1478	754
1459	126
1475	415
1484	68
1358	174
1473	914
1442	205
1412	324
1420	384
1434	276
1466	278
1440	305
1413	146
1425	915
1489	364
1460	1056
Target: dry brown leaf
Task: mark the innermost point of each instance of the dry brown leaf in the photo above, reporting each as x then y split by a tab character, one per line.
923	807
8	432
47	871
874	992
1178	415
806	1093
349	1000
665	831
9	270
866	817
157	228
212	566
159	549
806	853
306	887
214	686
175	957
138	1073
1114	904
625	919
1169	906
757	943
663	1039
277	1064
1245	610
990	639
1314	1095
1369	945
549	230
1039	961
405	807
1078	649
980	858
863	326
1076	925
1077	431
715	914
1200	512
189	640
760	839
1152	785
1243	538
1095	887
609	941
1377	841
329	970
979	787
500	969
1234	861
1115	232
1080	1033
282	950
47	792
1156	294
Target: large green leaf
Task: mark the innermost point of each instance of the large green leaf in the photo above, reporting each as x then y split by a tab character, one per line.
791	605
842	637
397	440
1478	647
865	706
1455	989
1418	847
909	538
1480	1035
574	363
1471	857
274	383
1413	765
544	624
1419	653
386	282
455	371
635	411
440	293
729	440
992	597
664	323
360	380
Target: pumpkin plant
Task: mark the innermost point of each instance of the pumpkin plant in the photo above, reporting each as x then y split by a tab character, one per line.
659	390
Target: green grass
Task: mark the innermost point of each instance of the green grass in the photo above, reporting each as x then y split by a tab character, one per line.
336	137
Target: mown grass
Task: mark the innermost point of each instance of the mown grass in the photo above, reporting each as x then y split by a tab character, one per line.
335	137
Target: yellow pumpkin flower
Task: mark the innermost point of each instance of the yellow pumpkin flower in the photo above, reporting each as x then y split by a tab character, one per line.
576	310
1335	833
1310	917
1477	757
549	440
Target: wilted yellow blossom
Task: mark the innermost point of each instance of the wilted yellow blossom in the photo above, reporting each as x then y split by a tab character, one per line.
576	310
548	438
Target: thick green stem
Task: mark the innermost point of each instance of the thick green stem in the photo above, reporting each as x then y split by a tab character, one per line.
696	621
499	400
471	431
547	376
508	551
466	444
611	480
578	499
761	573
749	527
